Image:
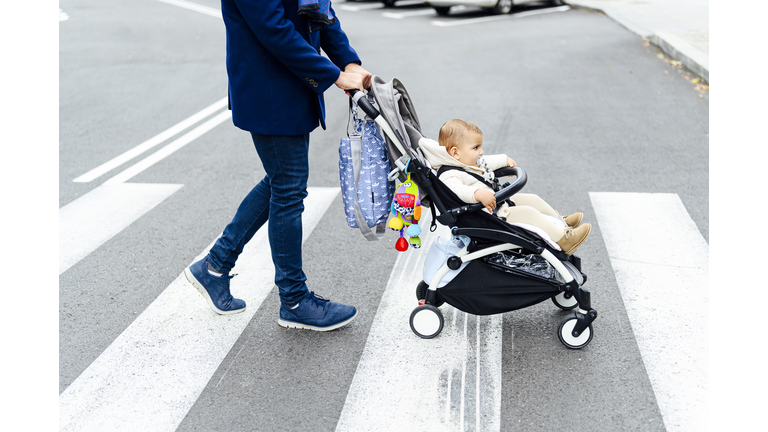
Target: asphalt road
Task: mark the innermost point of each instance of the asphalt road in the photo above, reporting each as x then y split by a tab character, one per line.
573	97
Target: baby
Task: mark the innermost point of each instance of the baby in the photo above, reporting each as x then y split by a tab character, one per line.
463	142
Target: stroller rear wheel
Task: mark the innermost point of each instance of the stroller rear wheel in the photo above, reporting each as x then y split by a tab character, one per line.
565	303
426	321
565	334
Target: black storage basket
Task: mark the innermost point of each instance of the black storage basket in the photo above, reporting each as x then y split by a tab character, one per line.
484	289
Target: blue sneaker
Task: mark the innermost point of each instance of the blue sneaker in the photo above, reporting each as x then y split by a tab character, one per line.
214	289
317	313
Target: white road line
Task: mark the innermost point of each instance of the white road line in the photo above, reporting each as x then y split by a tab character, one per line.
92	219
195	7
153	373
170	148
661	262
541	11
359	8
150	143
458	22
405	383
402	3
89	221
468	21
401	15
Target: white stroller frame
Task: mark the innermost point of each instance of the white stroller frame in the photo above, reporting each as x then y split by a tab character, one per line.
427	324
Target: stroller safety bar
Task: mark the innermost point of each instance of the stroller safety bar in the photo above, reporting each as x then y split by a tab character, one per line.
449	216
507	192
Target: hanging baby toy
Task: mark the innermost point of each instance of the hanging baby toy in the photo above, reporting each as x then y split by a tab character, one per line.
406	206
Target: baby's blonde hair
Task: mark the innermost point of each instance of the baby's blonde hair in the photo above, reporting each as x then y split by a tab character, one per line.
455	131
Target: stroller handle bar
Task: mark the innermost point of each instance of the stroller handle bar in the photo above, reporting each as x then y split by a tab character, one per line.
361	101
359	98
508	191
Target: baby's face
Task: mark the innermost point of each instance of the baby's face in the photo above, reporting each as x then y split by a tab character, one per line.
468	151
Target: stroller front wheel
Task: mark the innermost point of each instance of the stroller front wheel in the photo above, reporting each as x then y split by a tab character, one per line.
421	293
565	334
426	321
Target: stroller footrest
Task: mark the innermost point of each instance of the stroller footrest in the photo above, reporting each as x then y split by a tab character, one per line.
577	275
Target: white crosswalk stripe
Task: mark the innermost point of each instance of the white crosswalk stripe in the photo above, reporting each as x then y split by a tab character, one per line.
449	383
661	262
151	375
89	221
155	141
410	384
92	219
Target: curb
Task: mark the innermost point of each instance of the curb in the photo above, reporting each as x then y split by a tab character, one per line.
678	48
671	44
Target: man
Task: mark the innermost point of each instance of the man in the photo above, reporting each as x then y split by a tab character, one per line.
277	77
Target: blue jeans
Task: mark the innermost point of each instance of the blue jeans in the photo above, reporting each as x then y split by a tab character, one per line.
279	198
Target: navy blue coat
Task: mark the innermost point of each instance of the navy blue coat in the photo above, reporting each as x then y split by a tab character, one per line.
277	75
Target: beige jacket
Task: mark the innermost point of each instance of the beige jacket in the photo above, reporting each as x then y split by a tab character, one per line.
460	182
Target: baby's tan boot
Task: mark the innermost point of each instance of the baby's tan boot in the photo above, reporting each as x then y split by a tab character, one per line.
573	220
573	238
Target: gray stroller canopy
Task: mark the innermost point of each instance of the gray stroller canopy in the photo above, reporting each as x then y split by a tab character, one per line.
395	106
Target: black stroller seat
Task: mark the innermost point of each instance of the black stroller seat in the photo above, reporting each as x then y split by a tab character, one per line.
508	267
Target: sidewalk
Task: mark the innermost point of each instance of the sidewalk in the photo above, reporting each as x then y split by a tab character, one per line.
679	27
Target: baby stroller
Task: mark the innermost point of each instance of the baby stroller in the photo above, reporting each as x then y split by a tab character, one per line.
493	266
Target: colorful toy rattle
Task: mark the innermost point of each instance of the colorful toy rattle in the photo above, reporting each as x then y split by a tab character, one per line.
406	206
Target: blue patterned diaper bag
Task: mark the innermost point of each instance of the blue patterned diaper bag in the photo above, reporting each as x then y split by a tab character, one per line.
363	169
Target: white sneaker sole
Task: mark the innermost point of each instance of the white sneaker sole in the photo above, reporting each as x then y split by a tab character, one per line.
199	287
292	324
